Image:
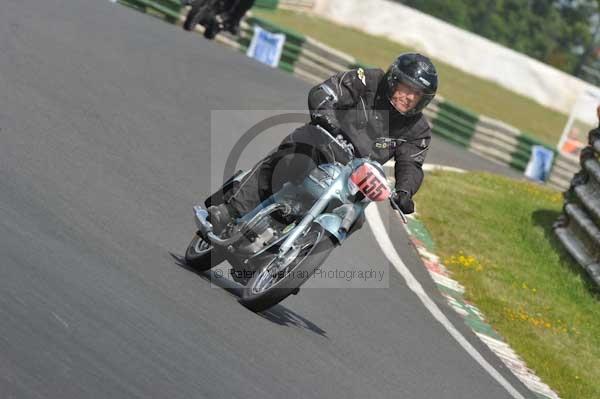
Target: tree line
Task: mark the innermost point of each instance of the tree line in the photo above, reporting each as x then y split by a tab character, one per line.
558	32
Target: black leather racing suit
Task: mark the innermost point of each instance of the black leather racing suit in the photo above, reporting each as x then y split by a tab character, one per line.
353	104
238	9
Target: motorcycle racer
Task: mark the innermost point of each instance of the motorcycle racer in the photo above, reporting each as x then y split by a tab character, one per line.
359	105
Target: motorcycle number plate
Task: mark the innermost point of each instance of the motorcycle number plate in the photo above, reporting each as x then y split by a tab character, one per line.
371	182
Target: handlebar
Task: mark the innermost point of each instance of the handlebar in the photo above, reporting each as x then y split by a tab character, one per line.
381	143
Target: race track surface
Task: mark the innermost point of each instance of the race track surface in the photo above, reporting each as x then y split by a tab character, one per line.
104	147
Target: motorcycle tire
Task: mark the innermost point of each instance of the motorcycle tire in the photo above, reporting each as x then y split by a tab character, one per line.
258	296
211	30
201	255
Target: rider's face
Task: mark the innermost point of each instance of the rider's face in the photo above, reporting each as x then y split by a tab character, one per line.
404	98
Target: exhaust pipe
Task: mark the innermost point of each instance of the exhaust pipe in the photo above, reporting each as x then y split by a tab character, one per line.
206	228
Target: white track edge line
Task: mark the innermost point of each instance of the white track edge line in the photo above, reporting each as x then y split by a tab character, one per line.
386	245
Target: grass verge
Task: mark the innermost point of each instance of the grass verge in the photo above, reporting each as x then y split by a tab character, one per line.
495	235
481	96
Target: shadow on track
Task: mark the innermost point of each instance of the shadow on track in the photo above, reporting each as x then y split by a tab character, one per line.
278	314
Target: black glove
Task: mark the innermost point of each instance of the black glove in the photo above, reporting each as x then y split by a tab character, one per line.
594	135
327	120
403	201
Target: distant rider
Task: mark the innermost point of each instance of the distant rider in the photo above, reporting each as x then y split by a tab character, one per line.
236	9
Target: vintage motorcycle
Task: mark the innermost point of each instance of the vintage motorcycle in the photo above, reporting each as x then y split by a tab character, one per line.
279	245
207	13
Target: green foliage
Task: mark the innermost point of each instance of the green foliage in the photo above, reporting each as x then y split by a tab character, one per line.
556	32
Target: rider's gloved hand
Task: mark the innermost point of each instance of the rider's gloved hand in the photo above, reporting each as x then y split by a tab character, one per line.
403	200
327	120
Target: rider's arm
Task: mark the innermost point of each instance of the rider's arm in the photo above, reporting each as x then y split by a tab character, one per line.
336	93
409	158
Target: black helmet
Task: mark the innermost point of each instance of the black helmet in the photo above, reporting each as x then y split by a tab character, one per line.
417	71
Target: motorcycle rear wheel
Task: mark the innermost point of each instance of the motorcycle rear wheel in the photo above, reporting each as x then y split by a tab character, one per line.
273	282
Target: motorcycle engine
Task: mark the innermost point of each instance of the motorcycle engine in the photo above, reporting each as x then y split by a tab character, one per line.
259	237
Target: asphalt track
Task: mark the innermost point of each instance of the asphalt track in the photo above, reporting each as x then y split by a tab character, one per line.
104	147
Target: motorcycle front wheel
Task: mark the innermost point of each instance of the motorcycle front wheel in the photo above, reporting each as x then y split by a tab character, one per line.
279	278
201	255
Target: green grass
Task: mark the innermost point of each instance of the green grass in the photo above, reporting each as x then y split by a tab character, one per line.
495	236
480	96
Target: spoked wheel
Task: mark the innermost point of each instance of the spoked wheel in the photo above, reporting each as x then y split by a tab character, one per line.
196	14
281	277
201	255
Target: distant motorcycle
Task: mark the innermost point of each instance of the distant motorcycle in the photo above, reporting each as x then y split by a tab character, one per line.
279	245
208	13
